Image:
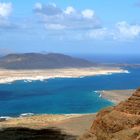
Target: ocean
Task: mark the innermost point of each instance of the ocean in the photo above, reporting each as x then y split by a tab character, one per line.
63	95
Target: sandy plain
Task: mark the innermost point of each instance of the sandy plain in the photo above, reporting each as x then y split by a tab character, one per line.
8	76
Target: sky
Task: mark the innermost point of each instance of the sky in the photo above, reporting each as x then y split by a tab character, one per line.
70	26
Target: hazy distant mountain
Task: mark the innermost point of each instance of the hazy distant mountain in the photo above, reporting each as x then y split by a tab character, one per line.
41	61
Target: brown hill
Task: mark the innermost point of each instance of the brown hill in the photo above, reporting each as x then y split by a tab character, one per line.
121	122
42	61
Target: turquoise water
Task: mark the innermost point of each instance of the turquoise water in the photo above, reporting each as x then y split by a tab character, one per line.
63	95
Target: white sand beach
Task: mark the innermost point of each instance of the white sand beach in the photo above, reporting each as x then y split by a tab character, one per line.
8	76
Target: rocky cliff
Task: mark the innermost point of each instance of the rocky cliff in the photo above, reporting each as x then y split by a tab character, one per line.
121	122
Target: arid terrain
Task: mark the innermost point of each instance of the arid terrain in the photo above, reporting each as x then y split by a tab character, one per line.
116	96
7	76
121	122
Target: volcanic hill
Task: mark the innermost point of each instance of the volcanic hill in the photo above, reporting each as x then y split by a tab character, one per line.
42	61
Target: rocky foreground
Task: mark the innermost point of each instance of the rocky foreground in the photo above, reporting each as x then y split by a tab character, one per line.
121	122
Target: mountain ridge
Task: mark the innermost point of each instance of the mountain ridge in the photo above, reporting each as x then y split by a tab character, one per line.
42	61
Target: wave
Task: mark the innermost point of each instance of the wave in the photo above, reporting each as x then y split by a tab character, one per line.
27	81
4	118
98	93
26	114
126	71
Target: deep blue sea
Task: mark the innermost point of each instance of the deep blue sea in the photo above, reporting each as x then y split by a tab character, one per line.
63	95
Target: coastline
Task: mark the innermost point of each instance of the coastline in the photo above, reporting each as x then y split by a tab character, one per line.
75	124
116	96
9	76
38	121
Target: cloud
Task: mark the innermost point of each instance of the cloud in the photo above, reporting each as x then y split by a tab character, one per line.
122	31
5	10
98	33
83	24
66	19
48	10
55	26
126	31
5	24
69	10
88	13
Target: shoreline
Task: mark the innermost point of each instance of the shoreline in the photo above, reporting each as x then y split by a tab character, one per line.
9	76
26	115
38	121
75	124
116	96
